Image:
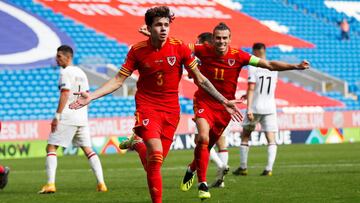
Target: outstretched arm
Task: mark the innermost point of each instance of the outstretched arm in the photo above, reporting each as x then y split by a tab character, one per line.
109	87
282	66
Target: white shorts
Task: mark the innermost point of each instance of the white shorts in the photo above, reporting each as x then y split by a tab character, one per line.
268	122
228	128
65	135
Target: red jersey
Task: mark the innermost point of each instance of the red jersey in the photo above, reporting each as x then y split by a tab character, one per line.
160	72
222	71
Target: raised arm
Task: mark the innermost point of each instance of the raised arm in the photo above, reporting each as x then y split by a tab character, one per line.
143	30
107	88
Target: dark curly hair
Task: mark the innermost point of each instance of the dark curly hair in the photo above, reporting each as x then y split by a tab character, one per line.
160	11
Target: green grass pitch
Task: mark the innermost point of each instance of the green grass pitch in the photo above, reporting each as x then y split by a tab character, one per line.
302	173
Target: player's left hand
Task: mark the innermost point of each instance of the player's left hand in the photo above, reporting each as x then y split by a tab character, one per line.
231	108
83	100
303	65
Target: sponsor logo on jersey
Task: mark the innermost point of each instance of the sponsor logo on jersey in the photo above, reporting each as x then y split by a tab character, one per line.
171	60
231	62
145	122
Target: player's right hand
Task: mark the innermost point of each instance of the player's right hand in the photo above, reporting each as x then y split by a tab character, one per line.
250	116
54	124
83	100
231	108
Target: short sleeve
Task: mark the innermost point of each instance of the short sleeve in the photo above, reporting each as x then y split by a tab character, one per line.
244	58
191	47
188	58
129	65
65	81
251	74
195	48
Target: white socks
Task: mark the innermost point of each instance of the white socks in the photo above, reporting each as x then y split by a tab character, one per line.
51	164
244	151
272	148
215	158
224	156
95	164
220	159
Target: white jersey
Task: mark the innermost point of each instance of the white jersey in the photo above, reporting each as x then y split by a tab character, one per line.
72	78
264	92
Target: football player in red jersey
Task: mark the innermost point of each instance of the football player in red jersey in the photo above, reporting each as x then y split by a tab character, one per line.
221	64
159	61
221	157
4	172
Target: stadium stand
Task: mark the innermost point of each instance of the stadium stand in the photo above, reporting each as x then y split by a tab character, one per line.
330	55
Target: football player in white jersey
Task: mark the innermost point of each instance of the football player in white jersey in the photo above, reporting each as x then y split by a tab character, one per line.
70	126
261	108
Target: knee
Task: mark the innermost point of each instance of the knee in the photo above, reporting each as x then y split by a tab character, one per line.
221	143
245	138
51	148
203	138
270	136
87	150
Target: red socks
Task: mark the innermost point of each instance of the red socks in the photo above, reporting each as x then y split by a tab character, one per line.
154	179
141	150
202	160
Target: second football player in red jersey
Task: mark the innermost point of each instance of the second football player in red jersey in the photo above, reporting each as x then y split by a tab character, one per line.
159	61
221	64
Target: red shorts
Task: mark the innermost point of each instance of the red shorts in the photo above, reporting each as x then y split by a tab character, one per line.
155	124
218	119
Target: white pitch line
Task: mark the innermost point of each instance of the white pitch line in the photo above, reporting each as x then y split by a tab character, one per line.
183	168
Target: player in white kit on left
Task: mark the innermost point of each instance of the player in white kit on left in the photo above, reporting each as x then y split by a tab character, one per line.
70	126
